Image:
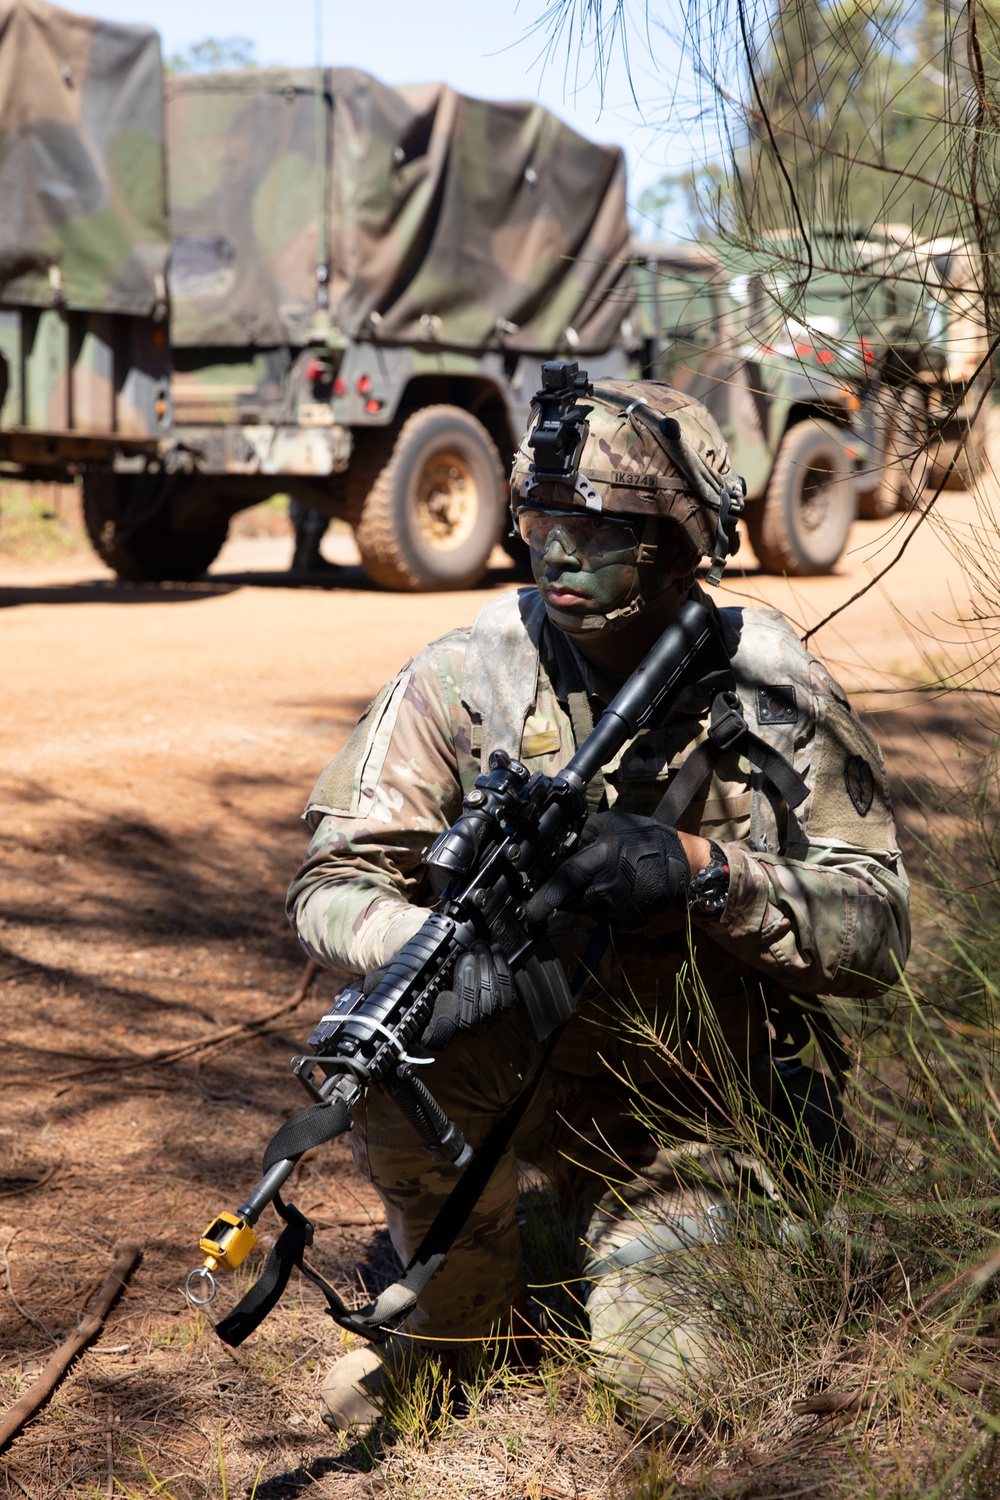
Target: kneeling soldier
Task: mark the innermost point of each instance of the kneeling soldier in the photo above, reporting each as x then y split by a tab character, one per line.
742	854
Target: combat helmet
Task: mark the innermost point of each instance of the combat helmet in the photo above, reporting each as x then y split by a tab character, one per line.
636	448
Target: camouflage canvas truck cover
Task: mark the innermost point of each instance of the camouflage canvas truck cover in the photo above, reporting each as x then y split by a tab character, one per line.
83	243
364	281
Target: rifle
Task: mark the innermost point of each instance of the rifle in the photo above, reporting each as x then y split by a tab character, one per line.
513	833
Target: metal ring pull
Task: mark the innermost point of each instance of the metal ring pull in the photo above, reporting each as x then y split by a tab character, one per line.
203	1274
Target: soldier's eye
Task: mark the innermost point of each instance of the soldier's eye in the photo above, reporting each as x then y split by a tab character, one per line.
580	533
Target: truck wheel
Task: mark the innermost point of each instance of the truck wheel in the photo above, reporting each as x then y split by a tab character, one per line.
150	551
804	521
903	465
435	511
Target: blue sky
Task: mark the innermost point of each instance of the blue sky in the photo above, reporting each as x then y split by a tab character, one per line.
485	49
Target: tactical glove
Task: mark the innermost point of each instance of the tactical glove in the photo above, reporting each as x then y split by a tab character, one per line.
482	988
627	865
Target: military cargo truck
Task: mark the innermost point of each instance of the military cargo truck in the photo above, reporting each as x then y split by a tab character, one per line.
84	358
832	388
363	282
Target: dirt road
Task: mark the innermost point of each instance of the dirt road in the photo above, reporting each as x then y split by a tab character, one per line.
156	746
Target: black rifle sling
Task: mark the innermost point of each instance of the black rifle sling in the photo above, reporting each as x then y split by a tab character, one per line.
255	1305
379	1318
312	1126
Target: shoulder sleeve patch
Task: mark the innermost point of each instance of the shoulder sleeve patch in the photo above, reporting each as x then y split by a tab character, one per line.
860	781
346	783
850	800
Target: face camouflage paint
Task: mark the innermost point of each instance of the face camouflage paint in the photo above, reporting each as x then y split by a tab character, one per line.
585	569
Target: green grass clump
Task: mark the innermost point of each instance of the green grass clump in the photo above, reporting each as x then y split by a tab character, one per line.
856	1322
40	522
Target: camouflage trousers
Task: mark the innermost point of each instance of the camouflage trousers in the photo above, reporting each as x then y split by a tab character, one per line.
647	1229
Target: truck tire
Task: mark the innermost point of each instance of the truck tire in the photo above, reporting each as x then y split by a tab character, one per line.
435	511
151	551
903	438
802	525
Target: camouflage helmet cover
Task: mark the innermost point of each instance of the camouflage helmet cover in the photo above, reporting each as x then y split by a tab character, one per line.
642	449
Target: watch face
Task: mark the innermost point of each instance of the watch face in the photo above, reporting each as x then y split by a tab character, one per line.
709	890
711	901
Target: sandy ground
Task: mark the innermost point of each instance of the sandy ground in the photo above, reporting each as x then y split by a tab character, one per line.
156	747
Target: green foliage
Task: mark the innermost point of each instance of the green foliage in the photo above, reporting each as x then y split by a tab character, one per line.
852	100
856	1316
213	54
39	523
676	201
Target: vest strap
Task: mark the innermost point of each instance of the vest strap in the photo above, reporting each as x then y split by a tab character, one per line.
729	730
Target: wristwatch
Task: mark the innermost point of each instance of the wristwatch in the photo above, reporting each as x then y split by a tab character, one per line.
708	891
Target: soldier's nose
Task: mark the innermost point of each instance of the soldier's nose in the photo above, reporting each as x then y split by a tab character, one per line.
560	551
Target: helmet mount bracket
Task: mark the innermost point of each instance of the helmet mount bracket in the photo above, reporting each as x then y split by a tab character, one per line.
558	436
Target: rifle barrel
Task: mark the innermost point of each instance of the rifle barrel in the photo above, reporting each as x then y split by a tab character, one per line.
664	671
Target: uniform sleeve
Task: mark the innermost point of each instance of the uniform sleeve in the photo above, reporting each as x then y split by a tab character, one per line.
387	795
832	916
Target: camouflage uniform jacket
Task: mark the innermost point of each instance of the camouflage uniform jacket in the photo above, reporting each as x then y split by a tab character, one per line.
818	908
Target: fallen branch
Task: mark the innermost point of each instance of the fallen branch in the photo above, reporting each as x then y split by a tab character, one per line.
174	1054
348	1221
828	1402
29	1184
844	1403
96	1310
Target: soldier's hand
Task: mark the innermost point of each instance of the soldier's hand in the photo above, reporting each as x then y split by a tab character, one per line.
629	866
482	987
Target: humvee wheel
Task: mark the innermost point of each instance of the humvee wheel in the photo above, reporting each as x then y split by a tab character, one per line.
151	551
903	464
802	525
435	511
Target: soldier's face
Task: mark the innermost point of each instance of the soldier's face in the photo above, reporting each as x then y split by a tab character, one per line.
582	565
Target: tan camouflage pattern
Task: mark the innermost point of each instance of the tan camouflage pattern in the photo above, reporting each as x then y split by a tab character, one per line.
674	1263
401	778
675	1011
630	469
448	221
83	218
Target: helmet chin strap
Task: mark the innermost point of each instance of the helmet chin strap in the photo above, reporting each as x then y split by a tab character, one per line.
642	593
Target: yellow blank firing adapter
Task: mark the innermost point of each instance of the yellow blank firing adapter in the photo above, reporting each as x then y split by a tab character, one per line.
227	1242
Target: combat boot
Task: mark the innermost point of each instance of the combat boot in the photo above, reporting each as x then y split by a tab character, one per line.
356	1385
